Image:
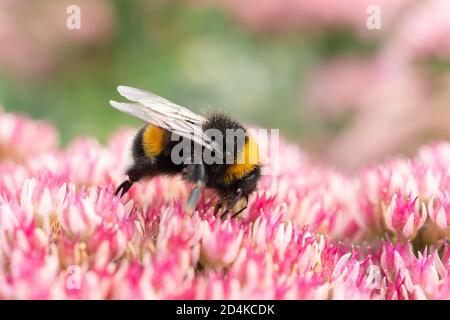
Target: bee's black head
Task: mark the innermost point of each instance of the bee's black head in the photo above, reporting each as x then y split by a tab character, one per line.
237	178
241	188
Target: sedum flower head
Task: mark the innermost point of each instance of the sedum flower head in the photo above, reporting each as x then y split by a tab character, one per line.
309	232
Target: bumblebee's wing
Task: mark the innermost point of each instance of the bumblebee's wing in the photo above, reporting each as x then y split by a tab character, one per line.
160	112
160	105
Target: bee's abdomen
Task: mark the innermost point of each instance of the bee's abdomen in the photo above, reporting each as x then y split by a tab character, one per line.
153	140
150	141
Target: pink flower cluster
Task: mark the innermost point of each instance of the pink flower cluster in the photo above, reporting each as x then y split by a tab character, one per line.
309	233
23	134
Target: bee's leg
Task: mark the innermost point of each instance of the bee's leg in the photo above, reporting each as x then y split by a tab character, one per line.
197	174
140	169
231	205
243	208
224	213
218	206
123	188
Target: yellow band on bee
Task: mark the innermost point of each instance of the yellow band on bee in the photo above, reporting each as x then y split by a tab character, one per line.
246	162
153	140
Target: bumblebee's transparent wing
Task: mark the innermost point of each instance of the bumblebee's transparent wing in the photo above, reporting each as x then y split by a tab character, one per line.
165	114
160	105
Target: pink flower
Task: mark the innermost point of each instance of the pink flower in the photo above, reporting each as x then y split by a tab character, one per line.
220	243
404	215
21	137
408	276
439	212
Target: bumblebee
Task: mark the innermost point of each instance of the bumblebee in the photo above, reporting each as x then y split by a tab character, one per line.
235	171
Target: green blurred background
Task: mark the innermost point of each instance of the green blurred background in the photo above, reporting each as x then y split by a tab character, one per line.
191	55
